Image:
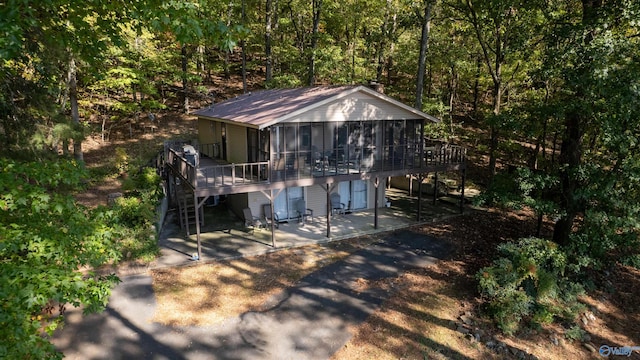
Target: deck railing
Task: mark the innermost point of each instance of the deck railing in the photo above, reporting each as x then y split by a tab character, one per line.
218	175
234	174
445	155
265	171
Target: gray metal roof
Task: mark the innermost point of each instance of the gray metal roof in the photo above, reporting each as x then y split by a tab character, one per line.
264	108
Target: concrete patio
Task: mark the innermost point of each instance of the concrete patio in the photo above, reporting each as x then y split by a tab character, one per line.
224	235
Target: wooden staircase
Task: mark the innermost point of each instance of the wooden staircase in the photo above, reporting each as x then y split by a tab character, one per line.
187	210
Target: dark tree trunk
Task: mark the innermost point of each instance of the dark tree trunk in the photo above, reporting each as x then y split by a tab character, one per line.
317	9
476	87
267	41
572	141
185	82
75	114
244	51
422	60
570	159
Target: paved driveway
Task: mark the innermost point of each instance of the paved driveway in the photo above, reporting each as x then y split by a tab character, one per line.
308	321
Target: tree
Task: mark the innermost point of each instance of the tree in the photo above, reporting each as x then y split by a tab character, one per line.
42	44
316	12
499	29
45	241
597	60
424	46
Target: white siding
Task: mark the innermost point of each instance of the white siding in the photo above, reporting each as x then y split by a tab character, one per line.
255	201
381	193
359	106
317	199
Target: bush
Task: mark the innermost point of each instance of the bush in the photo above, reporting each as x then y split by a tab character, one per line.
133	212
145	183
528	283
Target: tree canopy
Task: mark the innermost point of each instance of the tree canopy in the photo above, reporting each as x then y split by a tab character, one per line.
551	88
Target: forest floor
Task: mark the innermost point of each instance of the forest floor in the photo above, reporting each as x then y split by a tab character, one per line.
435	312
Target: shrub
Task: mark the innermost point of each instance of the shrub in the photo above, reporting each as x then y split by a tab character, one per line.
145	183
121	160
133	212
528	283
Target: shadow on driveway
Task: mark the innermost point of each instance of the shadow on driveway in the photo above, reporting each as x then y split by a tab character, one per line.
308	321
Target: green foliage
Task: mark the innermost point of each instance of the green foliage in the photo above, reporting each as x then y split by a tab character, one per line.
121	160
575	333
139	243
133	212
286	81
528	284
523	188
45	238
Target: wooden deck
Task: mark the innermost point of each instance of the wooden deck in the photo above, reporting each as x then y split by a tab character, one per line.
211	176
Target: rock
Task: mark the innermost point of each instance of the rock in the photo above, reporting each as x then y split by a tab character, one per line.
513	350
532	357
586	338
470	337
585	320
466	319
111	198
589	347
522	355
462	329
477	336
590	316
490	344
554	340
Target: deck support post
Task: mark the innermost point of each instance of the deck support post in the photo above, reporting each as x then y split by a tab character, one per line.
464	176
376	184
410	185
273	220
271	195
435	188
419	215
328	190
185	210
197	216
328	211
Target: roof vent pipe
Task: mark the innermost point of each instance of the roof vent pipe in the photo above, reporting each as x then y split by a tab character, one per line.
376	86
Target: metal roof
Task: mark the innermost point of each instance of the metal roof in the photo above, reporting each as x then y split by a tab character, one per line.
264	108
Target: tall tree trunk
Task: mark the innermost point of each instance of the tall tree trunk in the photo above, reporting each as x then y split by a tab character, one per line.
317	9
75	114
424	46
351	40
572	140
185	82
244	50
201	61
453	86
268	68
494	59
494	129
392	46
476	87
570	158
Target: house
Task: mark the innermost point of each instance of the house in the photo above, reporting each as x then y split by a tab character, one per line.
321	149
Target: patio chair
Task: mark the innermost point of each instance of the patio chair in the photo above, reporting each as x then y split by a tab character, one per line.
337	206
266	210
303	211
251	221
